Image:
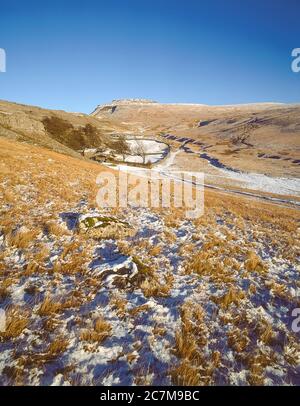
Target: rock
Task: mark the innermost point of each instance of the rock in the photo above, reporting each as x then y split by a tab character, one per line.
100	226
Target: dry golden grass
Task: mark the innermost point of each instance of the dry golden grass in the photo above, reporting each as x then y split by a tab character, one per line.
254	263
57	346
4	294
216	259
233	295
154	251
170	236
32	268
17	320
76	264
159	330
193	368
256	362
238	339
9	197
49	306
42	254
186	374
119	303
70	248
54	229
143	376
185	345
135	311
22	239
32	359
7	282
193	332
153	288
50	323
186	249
41	173
265	332
101	331
125	248
277	289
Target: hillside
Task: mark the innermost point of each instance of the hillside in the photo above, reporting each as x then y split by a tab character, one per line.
55	129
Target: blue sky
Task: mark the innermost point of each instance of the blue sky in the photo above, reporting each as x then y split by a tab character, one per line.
74	55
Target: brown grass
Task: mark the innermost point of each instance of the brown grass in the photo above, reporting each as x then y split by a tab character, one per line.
135	311
238	339
42	254
17	320
186	374
254	263
100	332
232	296
54	229
57	346
119	303
22	239
49	306
152	288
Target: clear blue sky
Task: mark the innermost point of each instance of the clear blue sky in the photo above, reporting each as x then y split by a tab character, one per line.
74	55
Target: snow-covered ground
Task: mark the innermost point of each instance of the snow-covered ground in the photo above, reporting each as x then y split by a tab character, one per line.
145	151
140	346
264	183
147	145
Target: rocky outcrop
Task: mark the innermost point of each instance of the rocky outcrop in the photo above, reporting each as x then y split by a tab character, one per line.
54	129
112	107
20	122
101	226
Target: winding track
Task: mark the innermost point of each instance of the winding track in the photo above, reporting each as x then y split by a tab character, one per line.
162	170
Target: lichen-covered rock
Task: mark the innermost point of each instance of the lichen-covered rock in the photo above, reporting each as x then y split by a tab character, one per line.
101	226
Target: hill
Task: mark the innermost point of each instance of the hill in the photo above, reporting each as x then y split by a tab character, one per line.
263	138
55	129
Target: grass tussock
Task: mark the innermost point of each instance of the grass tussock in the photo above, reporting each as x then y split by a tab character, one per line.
232	296
186	374
54	229
254	263
57	346
238	339
49	306
119	304
152	288
194	368
17	320
22	239
100	331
